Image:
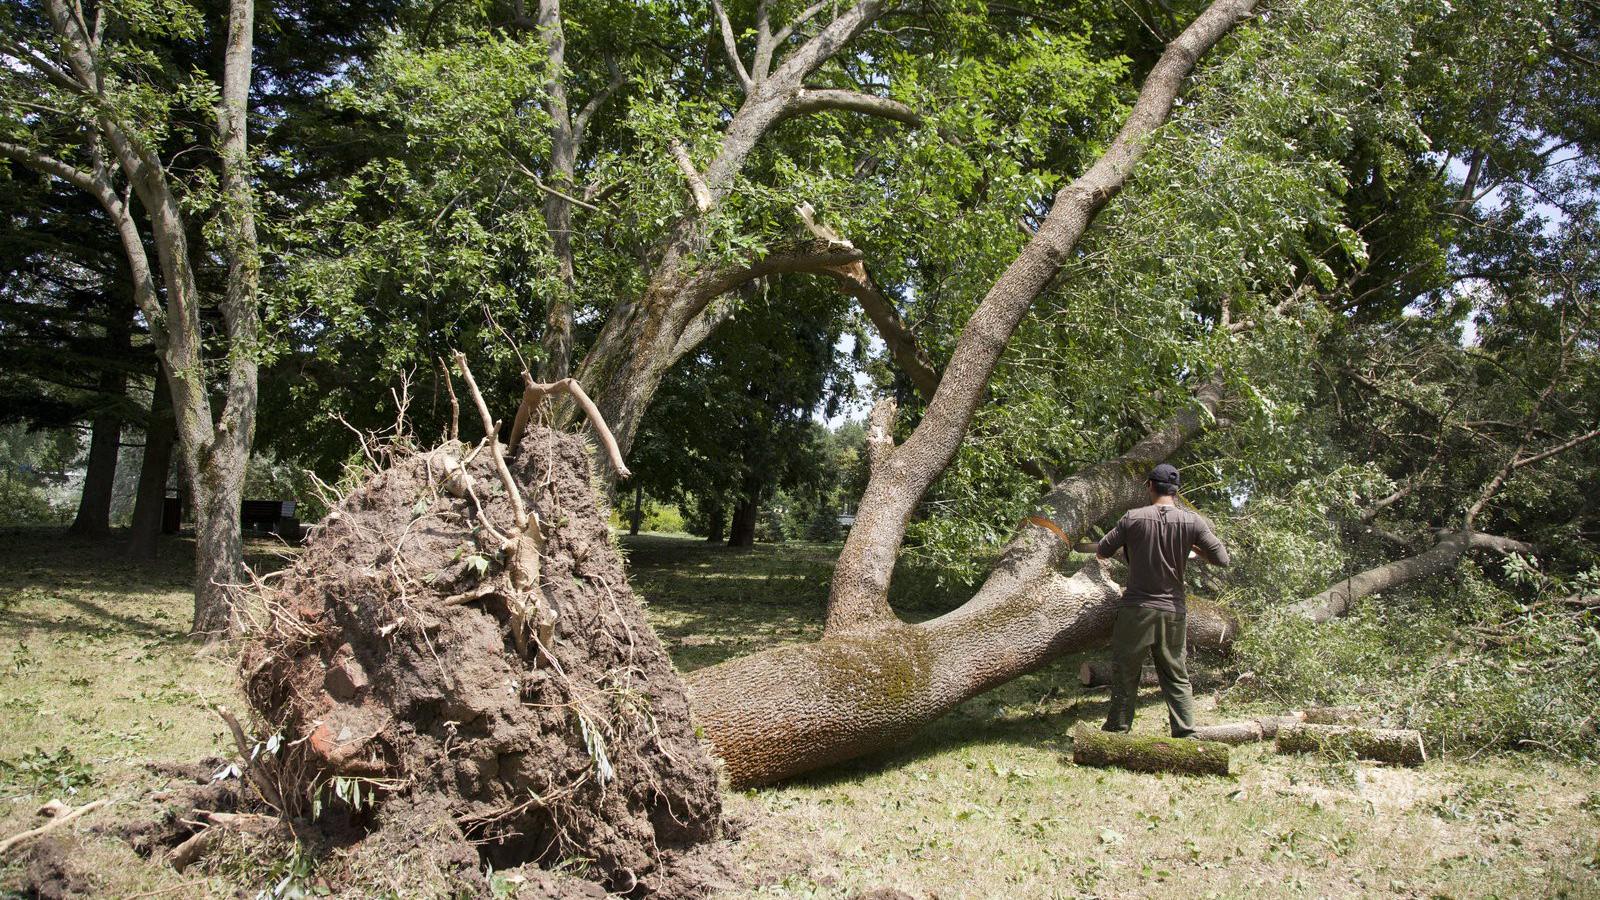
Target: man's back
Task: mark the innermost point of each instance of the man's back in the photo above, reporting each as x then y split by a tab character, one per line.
1157	539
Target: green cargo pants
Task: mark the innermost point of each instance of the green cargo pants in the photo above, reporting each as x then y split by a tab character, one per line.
1162	633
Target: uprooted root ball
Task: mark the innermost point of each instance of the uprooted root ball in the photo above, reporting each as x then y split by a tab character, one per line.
399	656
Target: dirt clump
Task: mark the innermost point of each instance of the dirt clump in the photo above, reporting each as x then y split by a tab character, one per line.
52	872
408	660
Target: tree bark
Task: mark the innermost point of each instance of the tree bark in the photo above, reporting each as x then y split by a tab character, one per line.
716	523
1338	599
1091	747
743	532
874	680
1397	746
105	440
636	518
159	434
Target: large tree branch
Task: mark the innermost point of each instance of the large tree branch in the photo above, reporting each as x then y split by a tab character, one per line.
859	596
813	100
1337	600
854	280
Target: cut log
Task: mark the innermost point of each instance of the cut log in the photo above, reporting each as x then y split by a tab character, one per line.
1091	747
1209	626
1248	732
1397	746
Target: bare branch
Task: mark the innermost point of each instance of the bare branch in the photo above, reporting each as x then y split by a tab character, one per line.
491	429
49	165
732	46
1560	448
813	100
697	185
533	394
581	122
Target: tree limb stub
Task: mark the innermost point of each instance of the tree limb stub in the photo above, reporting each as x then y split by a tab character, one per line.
52	825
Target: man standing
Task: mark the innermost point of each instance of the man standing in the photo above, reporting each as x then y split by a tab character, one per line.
1157	540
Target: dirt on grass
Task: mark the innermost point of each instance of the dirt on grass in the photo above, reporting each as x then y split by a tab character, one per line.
392	671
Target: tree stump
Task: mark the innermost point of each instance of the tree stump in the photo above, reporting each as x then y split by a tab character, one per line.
1092	747
1397	746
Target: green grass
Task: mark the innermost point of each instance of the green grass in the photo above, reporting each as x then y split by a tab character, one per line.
96	678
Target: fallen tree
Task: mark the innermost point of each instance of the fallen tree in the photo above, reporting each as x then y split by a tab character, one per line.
873	680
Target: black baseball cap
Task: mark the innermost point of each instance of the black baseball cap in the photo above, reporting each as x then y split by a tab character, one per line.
1164	474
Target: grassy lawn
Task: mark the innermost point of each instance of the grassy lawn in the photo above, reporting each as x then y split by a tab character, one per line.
97	679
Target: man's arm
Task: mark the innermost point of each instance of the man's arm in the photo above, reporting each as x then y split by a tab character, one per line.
1211	549
1108	546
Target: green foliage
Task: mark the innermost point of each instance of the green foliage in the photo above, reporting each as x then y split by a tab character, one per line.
42	773
1473	666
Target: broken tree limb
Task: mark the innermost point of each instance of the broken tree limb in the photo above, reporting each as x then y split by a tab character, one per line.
1337	600
1250	731
1397	746
52	825
1092	747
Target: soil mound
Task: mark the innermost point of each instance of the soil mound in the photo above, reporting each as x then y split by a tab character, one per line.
399	664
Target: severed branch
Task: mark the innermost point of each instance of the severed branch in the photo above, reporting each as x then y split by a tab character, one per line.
269	791
52	825
853	279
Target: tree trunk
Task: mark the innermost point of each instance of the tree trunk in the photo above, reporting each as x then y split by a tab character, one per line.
636	518
743	532
99	480
1337	600
1397	746
716	523
219	570
159	434
784	711
1096	673
1091	747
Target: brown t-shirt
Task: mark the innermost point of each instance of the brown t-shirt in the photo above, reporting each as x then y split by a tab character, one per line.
1157	539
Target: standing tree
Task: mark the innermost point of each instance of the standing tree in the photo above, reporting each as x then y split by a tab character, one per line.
96	96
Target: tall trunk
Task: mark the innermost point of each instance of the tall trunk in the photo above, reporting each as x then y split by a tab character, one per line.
743	532
716	523
94	505
159	435
218	490
105	441
636	518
